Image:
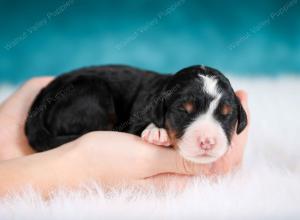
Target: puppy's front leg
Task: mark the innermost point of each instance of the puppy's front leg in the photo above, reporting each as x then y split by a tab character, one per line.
155	135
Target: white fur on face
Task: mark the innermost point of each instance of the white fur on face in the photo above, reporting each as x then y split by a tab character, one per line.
210	85
205	126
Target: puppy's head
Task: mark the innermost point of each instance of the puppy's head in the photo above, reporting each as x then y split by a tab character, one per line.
202	113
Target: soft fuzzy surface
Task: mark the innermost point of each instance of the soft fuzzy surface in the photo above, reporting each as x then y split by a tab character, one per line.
267	186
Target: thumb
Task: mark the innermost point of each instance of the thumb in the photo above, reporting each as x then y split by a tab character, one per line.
243	97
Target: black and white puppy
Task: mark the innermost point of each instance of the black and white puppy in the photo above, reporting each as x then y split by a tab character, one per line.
195	110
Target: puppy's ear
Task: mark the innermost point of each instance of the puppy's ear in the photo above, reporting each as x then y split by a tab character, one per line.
242	120
162	103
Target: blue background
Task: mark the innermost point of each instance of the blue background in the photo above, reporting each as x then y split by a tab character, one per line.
241	37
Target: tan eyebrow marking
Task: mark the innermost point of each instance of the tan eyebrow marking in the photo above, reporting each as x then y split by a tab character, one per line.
189	106
226	109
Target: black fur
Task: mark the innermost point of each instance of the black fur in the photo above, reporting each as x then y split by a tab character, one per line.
123	98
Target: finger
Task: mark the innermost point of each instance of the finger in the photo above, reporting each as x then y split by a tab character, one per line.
242	94
243	97
235	153
17	104
30	89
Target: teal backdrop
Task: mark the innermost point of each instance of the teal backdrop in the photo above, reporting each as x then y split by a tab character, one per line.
241	37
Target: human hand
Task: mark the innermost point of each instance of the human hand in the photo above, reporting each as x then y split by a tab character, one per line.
13	113
107	156
112	157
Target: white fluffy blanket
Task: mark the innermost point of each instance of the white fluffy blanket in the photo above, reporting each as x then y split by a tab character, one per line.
267	186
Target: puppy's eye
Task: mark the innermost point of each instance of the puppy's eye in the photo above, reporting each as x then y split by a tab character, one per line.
226	109
188	107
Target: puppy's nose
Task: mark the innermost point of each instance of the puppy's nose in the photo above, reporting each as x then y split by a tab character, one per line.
206	143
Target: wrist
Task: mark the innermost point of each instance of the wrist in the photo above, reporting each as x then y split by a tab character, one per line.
75	164
44	171
66	166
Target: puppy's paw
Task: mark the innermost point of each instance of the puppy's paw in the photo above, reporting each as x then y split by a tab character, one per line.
155	135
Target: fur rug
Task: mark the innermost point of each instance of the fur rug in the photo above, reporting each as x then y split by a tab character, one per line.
266	187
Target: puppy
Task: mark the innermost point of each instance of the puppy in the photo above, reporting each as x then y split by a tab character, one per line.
195	110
